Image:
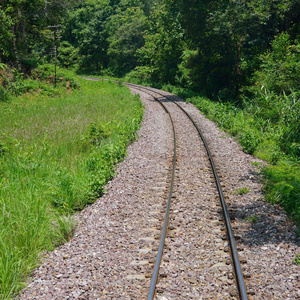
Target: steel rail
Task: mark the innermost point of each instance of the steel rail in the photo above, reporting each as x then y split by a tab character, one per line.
166	220
234	252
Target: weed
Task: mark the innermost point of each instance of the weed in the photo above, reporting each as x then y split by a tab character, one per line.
249	141
252	219
256	163
242	191
283	186
2	67
96	134
3	148
64	228
296	261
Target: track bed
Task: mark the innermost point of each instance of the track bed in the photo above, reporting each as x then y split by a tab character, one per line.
113	252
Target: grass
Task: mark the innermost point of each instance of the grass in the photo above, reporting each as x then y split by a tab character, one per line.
296	261
256	164
263	138
242	191
58	148
252	219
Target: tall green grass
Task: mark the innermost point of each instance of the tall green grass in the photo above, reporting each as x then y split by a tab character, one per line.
267	127
56	154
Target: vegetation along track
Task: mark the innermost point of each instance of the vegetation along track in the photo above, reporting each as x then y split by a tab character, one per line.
113	251
187	227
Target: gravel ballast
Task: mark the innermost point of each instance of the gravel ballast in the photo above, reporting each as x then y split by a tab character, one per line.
112	253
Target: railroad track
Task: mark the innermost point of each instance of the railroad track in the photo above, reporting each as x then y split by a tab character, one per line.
113	252
159	280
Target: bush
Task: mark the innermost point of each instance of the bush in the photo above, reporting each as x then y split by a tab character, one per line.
4	95
68	56
266	104
280	68
64	78
96	135
3	149
283	186
249	140
13	83
290	139
140	75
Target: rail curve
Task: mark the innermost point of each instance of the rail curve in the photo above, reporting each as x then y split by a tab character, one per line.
234	253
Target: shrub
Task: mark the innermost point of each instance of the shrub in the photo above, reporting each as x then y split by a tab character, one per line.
249	140
139	75
290	139
68	55
3	149
280	68
4	95
283	186
96	134
12	83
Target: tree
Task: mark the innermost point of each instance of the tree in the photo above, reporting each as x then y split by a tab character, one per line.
226	38
85	30
24	24
107	33
125	31
279	70
163	44
5	35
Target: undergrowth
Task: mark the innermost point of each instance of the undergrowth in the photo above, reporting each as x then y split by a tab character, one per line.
273	138
13	83
57	151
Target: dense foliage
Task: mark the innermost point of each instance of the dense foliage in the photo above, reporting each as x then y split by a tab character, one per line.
214	47
107	34
24	28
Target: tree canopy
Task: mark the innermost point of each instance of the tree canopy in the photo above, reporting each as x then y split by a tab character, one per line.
23	27
210	46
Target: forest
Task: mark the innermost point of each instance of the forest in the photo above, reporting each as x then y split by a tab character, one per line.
237	61
222	48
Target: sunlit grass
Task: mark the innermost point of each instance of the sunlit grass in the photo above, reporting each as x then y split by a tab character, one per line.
259	136
50	166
